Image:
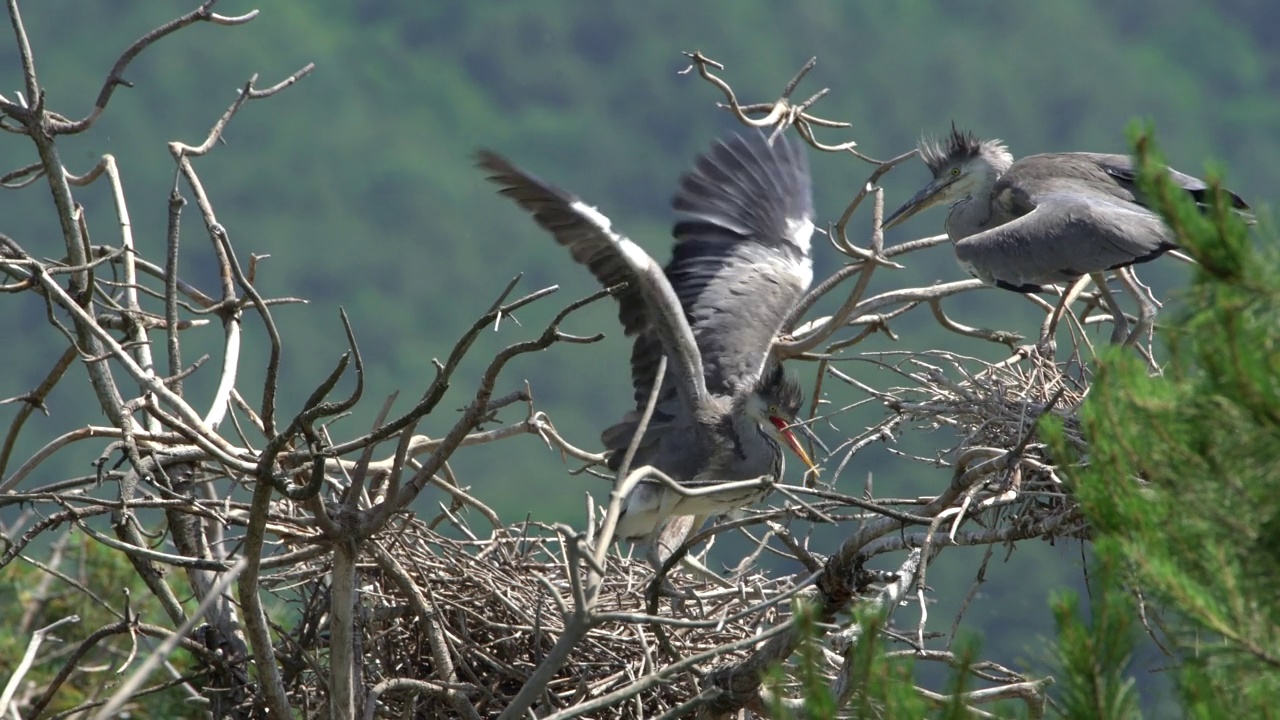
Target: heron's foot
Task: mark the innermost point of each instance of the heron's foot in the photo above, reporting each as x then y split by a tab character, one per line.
661	585
704	573
1045	347
666	589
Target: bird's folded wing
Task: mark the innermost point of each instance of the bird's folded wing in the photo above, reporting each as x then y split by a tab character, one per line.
1116	175
1063	237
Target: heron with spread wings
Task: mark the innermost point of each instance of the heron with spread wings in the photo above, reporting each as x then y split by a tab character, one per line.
741	262
1048	218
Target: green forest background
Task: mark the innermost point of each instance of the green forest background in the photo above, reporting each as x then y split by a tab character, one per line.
359	183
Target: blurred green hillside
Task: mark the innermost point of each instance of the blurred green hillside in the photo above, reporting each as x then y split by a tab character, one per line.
358	181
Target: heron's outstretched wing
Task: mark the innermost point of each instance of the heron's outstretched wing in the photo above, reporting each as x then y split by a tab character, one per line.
649	304
1058	233
741	259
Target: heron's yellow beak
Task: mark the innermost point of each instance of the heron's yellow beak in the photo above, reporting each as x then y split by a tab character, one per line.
928	196
793	443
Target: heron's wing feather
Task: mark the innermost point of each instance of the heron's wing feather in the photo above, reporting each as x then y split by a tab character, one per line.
665	442
587	236
1056	235
742	255
1117	175
648	305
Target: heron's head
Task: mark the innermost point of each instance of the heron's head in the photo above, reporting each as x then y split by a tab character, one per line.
774	403
959	165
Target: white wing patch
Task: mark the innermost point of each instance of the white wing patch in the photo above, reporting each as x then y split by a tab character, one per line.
635	255
801	271
592	214
799	231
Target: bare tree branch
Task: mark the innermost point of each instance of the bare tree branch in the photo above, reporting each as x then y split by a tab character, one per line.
395	615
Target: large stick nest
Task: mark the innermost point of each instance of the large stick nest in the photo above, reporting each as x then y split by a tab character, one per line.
497	606
487	612
993	410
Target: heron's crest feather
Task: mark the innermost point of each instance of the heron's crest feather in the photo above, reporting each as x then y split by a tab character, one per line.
958	148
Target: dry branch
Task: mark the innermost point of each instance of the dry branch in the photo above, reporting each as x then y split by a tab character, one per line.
395	616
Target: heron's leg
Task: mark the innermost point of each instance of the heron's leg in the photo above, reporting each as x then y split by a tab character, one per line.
1120	332
1050	325
672	535
657	550
1147	305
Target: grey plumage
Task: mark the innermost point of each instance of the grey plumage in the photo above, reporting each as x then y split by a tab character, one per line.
1046	218
740	264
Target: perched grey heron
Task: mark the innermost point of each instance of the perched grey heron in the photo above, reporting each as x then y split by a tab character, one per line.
740	263
1045	219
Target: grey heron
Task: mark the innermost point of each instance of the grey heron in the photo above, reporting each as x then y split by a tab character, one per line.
1045	219
740	263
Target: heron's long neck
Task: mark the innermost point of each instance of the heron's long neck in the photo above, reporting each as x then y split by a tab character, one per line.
972	214
757	453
